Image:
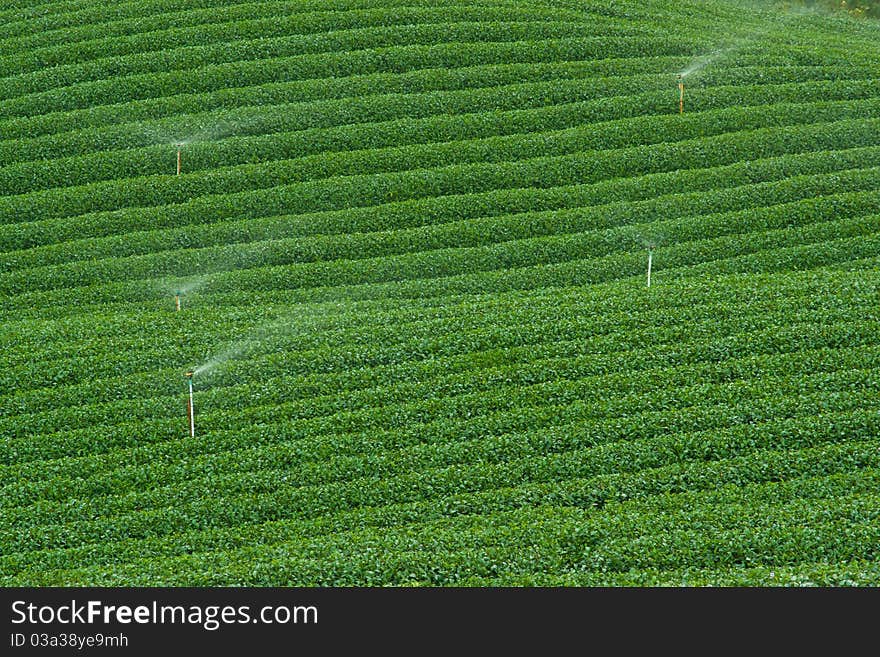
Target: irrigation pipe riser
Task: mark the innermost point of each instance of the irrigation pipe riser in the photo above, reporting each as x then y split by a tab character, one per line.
178	161
190	407
680	95
650	257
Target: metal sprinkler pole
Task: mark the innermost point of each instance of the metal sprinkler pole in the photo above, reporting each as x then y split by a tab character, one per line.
650	256
191	408
680	95
178	161
177	300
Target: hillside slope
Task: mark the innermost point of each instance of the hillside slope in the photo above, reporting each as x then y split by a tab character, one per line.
409	241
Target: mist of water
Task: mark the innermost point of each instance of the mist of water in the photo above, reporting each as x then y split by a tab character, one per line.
306	321
239	257
649	241
232	352
772	23
181	287
702	62
192	284
198	130
209	132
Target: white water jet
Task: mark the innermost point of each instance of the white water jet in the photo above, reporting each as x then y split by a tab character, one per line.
232	352
192	285
305	321
736	42
702	62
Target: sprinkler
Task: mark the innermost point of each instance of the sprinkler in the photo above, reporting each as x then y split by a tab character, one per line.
177	300
189	407
178	161
680	94
650	258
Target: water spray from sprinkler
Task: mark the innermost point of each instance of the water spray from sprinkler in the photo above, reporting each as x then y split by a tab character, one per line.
189	407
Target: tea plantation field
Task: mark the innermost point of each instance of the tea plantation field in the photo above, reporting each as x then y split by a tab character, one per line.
410	243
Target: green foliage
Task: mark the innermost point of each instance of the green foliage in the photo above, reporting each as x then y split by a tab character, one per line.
410	239
859	8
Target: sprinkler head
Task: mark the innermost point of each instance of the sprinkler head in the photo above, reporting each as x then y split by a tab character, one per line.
189	375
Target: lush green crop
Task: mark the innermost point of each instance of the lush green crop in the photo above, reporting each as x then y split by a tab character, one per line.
411	243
